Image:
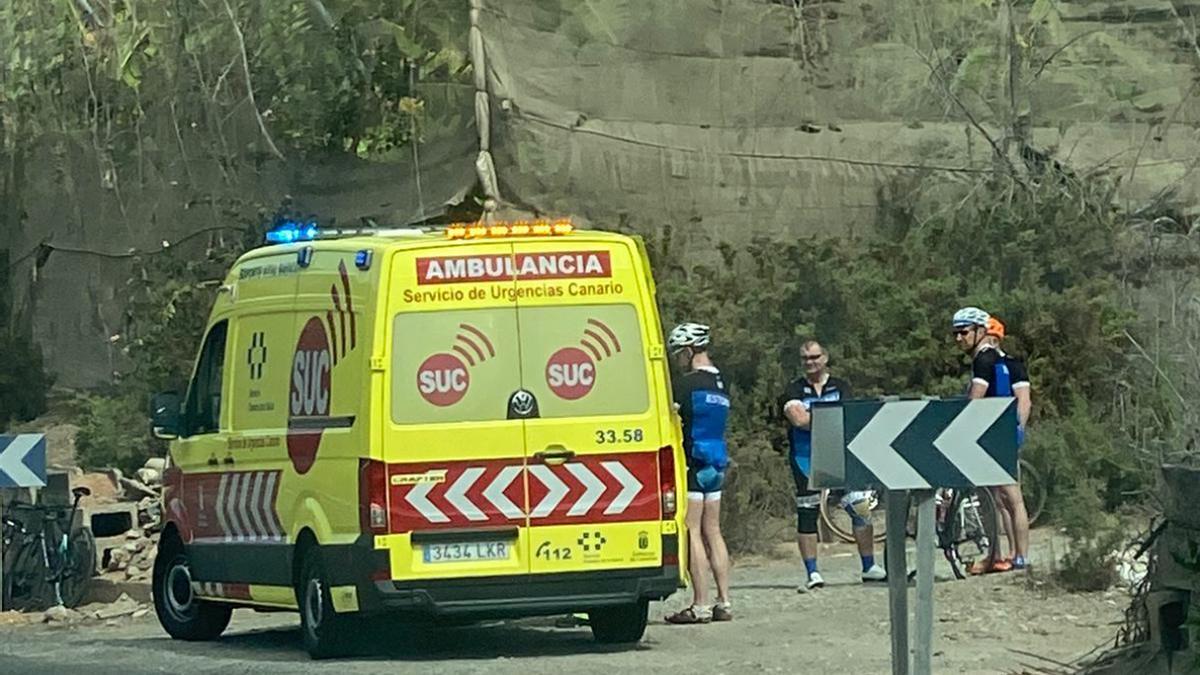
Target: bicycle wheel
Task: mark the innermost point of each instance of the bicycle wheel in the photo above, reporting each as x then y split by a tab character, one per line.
25	579
969	529
78	568
1033	489
839	522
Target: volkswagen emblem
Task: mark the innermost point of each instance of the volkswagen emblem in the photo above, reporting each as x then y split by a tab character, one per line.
522	404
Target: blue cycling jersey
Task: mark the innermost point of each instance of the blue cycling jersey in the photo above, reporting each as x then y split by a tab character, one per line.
704	411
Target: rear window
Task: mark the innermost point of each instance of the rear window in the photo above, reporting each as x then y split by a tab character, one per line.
584	360
454	366
464	365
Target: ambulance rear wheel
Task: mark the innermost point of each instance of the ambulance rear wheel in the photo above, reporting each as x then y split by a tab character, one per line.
326	633
181	613
619	625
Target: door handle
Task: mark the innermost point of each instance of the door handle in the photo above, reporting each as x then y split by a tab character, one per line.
554	455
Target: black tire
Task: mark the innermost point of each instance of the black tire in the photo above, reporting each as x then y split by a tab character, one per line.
970	530
25	580
183	615
326	633
624	624
1033	489
79	568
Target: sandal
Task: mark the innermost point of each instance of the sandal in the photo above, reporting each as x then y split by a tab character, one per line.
688	616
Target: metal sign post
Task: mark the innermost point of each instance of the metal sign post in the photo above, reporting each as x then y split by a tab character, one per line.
910	449
22	465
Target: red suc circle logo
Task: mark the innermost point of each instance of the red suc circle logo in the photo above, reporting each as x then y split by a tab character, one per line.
570	373
443	379
310	395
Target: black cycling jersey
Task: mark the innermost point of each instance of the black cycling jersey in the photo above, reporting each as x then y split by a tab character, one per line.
999	371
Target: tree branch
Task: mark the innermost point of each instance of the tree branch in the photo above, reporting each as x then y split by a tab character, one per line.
262	126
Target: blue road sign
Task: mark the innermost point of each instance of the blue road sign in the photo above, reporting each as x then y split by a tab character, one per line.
23	461
915	445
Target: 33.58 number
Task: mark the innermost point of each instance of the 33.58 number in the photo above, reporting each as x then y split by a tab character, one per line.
608	436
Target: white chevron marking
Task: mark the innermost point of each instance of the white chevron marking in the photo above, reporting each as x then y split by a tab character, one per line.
12	461
630	487
959	442
558	490
418	496
222	521
495	492
594	489
275	527
873	445
256	506
457	494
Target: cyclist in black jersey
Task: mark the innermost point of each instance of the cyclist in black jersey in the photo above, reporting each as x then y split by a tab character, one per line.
994	373
817	385
703	404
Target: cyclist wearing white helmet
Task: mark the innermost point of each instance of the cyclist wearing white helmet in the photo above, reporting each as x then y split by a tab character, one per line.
703	404
994	373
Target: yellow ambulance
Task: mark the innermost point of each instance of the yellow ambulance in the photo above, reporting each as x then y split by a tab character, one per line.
472	422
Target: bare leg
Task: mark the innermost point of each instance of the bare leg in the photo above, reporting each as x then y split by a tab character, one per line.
1019	532
719	554
808	546
1006	521
865	538
698	557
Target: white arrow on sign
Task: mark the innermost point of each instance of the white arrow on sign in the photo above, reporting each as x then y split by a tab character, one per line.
873	445
558	490
595	488
630	487
418	496
959	442
495	492
457	494
12	461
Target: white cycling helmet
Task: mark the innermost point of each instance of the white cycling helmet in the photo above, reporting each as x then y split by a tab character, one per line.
970	316
688	335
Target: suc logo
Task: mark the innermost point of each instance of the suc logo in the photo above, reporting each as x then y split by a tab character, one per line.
571	371
444	378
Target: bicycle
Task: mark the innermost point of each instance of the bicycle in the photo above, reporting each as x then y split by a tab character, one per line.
49	563
968	526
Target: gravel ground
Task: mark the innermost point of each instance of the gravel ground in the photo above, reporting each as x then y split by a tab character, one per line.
995	624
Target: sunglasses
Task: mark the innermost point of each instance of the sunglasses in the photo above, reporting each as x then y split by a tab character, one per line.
812	357
963	331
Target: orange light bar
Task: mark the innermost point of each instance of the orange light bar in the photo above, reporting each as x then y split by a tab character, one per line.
516	228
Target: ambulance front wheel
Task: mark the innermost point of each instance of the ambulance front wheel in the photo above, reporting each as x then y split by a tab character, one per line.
621	624
326	633
181	613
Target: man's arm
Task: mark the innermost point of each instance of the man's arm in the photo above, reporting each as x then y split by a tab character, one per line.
797	414
793	406
983	372
1021	390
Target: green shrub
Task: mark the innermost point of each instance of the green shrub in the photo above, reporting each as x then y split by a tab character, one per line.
24	382
114	433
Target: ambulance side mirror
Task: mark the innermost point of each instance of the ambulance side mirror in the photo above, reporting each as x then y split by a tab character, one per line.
166	416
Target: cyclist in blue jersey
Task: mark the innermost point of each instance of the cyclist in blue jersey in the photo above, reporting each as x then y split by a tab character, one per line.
818	385
994	373
703	404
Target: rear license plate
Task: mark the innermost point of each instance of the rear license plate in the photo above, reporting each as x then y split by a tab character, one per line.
467	551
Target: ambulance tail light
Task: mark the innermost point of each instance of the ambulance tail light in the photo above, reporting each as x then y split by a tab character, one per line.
666	478
372	496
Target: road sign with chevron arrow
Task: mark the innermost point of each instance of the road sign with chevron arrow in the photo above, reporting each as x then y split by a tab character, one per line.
915	445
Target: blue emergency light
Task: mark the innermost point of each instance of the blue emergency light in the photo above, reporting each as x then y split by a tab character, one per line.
290	232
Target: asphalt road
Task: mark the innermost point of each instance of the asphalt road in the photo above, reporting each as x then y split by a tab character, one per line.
993	624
